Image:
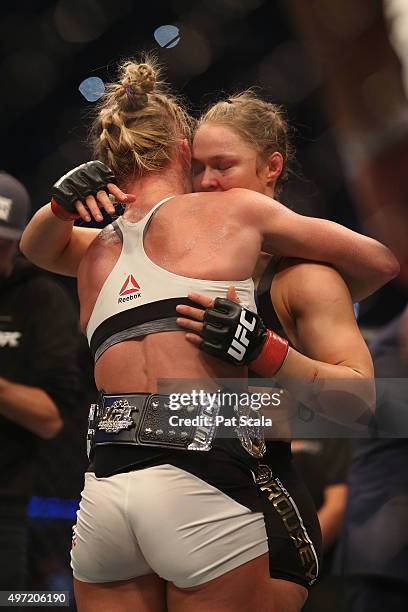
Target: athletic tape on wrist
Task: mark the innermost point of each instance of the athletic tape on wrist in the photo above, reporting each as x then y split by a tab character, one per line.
272	356
61	213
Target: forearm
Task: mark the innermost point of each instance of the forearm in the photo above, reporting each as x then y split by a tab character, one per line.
29	407
45	238
330	519
338	392
331	512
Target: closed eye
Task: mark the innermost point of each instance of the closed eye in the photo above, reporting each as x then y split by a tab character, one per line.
223	166
196	168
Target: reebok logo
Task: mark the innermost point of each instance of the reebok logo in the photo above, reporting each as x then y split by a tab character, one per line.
240	343
10	338
130	290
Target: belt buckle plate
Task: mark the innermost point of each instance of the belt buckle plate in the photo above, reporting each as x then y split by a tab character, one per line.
116	417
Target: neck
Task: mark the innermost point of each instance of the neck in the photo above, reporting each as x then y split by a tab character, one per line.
152	188
270	190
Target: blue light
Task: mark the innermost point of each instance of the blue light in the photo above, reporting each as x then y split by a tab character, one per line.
53	508
356	308
92	88
167	36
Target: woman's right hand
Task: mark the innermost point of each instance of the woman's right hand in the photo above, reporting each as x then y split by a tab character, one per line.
85	190
90	207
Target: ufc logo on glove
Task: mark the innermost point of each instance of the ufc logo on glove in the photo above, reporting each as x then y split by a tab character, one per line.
240	343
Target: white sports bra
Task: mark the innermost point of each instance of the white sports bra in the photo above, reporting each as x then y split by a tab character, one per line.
139	297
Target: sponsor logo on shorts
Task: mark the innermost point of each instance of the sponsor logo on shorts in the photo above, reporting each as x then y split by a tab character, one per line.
130	290
10	338
286	507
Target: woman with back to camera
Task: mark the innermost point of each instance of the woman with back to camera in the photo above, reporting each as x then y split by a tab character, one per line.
203	505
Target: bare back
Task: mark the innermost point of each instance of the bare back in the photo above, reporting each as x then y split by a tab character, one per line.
194	235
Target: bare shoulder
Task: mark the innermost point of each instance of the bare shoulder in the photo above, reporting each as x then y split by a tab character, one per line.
105	248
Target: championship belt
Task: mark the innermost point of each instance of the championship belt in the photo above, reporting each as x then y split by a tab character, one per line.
143	419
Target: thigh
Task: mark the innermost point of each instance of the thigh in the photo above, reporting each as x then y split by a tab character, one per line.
104	547
239	590
189	531
285	596
243	589
144	594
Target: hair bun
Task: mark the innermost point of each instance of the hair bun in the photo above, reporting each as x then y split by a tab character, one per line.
137	81
144	77
141	77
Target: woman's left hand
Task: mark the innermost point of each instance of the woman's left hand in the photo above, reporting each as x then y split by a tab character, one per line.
194	322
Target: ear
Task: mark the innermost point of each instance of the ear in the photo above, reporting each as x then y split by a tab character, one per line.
185	150
274	166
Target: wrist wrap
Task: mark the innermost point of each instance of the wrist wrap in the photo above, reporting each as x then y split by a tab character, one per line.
271	357
61	213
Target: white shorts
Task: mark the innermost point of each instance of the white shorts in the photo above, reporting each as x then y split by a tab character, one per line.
161	520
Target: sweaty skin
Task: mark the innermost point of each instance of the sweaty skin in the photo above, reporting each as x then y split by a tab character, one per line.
250	221
171	231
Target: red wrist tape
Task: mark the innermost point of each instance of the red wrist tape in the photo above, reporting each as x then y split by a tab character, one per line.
272	356
61	213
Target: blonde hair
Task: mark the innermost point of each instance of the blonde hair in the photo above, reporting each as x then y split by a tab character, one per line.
138	123
261	124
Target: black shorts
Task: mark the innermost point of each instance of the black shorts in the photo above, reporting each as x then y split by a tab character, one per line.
294	535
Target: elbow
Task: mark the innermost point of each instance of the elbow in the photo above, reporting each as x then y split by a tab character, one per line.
51	428
365	388
388	265
365	396
23	247
26	251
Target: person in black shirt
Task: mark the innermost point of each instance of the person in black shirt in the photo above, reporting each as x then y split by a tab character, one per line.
38	375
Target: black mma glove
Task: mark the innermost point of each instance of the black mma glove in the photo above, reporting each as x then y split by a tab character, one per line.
84	180
238	335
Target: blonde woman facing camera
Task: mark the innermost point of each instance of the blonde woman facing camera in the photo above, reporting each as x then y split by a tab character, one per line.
163	524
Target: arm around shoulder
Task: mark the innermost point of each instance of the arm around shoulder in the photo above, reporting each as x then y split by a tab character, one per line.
365	264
